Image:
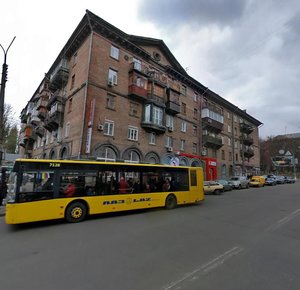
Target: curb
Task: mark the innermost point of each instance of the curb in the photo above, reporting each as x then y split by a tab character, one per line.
2	211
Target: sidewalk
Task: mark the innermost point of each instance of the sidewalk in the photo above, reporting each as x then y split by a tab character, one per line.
2	210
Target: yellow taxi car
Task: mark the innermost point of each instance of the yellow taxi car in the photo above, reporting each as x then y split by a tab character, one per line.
257	181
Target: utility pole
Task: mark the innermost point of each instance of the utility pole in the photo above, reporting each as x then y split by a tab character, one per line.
2	95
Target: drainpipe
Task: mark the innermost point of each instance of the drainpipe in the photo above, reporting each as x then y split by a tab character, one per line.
85	93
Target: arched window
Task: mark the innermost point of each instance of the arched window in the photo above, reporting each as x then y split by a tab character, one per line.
132	157
106	153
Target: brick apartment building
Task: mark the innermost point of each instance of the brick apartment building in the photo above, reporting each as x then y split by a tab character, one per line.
114	96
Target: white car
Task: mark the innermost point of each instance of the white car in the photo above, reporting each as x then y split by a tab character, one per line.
239	182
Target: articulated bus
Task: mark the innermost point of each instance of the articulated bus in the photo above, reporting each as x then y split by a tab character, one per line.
40	189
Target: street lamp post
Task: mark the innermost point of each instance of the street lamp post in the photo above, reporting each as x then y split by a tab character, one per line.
2	95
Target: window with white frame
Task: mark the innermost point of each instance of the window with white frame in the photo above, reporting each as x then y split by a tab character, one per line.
67	129
236	144
114	52
108	128
152	138
194	130
170	122
182	145
133	133
112	76
169	141
235	118
137	64
183	126
229	141
229	129
195	97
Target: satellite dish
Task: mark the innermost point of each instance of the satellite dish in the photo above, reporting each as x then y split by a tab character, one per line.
281	151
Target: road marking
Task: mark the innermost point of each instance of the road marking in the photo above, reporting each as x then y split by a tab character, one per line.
204	269
284	220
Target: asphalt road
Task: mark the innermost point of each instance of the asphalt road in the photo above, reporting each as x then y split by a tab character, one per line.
244	239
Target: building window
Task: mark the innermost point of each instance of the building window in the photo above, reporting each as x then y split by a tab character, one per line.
170	122
229	129
169	141
222	138
183	108
137	64
194	130
112	77
235	131
75	58
152	138
114	52
195	114
228	115
229	141
236	144
132	133
67	129
236	157
195	97
183	90
106	154
153	114
134	109
110	102
194	149
132	157
235	118
230	156
108	128
182	145
183	126
223	155
72	82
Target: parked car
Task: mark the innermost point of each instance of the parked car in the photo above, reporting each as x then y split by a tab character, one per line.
240	182
280	179
290	179
270	181
257	181
213	187
228	185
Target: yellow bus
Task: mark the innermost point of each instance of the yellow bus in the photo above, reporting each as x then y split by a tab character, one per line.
73	189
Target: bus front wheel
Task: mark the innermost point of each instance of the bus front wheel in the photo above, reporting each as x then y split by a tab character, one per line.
171	201
76	212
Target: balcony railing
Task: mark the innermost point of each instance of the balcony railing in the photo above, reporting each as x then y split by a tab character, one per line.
212	142
60	75
137	92
246	128
212	125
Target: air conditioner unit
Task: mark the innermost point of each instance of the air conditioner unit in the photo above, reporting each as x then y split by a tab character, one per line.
170	129
100	127
110	83
170	149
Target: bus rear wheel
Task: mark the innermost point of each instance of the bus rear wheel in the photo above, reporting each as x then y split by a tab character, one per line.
76	212
171	201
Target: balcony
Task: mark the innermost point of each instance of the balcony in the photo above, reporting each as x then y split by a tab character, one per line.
248	153
59	76
247	140
173	104
29	135
152	127
211	125
42	113
246	128
172	108
53	121
39	131
212	142
137	92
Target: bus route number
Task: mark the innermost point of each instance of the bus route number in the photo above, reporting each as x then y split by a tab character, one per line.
55	165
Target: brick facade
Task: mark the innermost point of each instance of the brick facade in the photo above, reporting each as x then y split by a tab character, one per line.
148	110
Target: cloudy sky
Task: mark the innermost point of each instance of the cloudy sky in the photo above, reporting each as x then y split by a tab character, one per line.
247	51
